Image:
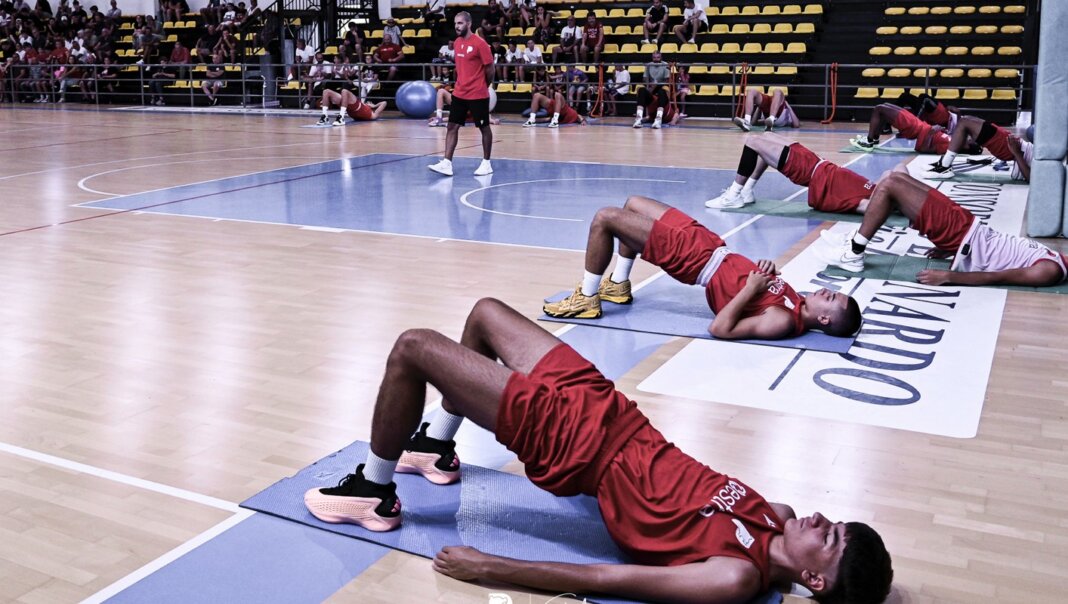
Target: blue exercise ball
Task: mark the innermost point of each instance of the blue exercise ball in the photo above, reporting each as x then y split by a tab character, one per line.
416	99
1030	133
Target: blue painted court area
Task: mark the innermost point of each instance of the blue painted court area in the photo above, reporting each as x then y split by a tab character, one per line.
268	560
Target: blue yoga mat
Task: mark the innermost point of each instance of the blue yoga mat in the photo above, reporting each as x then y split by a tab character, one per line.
497	513
671	308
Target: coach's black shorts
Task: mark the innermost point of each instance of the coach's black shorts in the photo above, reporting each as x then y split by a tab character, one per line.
478	108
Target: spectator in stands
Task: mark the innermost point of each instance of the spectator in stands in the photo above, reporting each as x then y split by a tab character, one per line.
353	42
592	39
494	22
42	9
313	79
229	16
527	10
653	95
180	57
213	78
172	10
368	78
163	75
146	43
544	31
439	70
773	109
229	45
213	12
207	43
5	71
656	19
114	13
303	56
499	58
532	55
577	86
107	77
434	15
682	90
694	22
512	58
616	88
389	54
67	76
570	41
391	34
510	11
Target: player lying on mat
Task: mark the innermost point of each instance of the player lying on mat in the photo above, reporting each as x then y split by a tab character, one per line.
444	97
695	535
973	131
349	103
749	300
929	139
772	109
981	255
931	110
831	188
557	107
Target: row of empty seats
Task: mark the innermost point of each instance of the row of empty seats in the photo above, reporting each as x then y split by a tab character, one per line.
968	94
931	72
955	51
989	9
941	30
697	90
716	29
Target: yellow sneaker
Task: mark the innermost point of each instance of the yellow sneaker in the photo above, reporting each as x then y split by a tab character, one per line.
616	293
575	306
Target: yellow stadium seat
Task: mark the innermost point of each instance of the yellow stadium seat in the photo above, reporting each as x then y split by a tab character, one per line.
740	28
873	72
892	93
947	94
786	70
565	13
171	38
711	11
867	93
925	72
1015	9
688	49
956	51
961	29
600	13
964	10
720	29
728	90
898	72
952	72
931	51
377	34
169	25
518	31
719	69
918	91
759	89
794	48
581	13
886	30
505	88
709	48
990	9
986	29
791	9
1012	29
410	50
1007	73
975	94
771	9
762	28
707	90
190	24
674	11
611	49
635	12
639	69
879	51
750	10
813	9
126	26
805	28
629	49
729	11
647	49
905	51
919	10
1003	94
669	48
752	48
698	69
774	48
1010	51
910	30
894	11
730	48
935	30
617	13
941	10
982	51
979	73
523	88
763	69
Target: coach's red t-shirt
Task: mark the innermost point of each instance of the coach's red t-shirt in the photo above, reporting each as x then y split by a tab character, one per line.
472	56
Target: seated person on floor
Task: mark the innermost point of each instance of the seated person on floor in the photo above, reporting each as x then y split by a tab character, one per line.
557	107
348	103
773	109
653	102
693	534
831	188
748	299
981	255
1002	144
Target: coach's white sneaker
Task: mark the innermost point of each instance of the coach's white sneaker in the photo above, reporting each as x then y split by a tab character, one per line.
484	168
841	256
729	199
443	167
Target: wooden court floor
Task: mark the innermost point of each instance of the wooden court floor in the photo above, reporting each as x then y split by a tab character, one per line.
219	356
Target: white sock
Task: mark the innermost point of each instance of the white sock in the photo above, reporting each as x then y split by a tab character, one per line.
641	112
622	270
947	159
860	239
748	118
659	113
444	425
326	109
438	112
590	283
378	470
735	188
749	184
447	162
341	112
485	162
556	117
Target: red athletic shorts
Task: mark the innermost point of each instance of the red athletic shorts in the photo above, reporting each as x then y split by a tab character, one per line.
799	165
998	145
765	105
909	126
563	420
830	187
567	114
364	113
933	140
680	245
943	222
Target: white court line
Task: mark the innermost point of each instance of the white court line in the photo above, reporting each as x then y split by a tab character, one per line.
465	196
157	564
141	483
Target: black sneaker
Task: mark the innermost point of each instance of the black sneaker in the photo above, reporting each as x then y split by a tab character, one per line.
356	500
435	459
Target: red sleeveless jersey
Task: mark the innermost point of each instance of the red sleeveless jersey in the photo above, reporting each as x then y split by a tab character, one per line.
665	508
730	278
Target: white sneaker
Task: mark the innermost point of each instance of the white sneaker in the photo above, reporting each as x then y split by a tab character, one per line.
554	124
656	124
728	199
646	42
836	239
841	256
691	41
484	168
741	123
530	123
637	123
443	167
769	124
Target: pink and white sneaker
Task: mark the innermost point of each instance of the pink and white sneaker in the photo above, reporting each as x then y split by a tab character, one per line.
435	459
356	500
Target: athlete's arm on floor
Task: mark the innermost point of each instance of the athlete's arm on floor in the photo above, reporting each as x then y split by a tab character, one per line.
715	581
730	325
1017	153
1039	274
